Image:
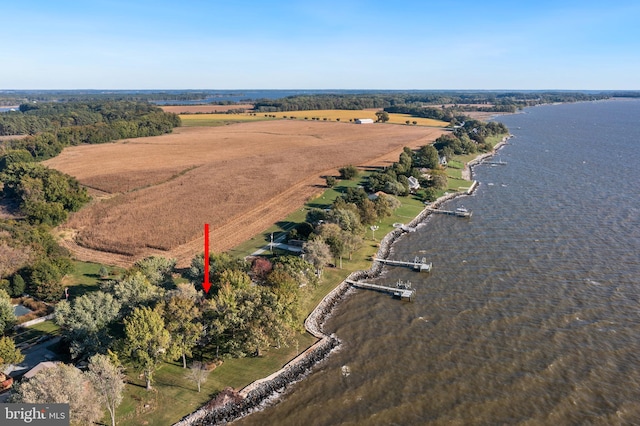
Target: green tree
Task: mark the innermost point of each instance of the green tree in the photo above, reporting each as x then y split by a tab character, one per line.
427	156
136	289
331	181
45	278
45	195
386	204
181	316
348	172
17	285
62	384
15	156
218	263
9	354
287	290
108	380
332	235
158	270
438	179
85	322
299	268
383	116
146	342
352	243
345	216
103	272
7	315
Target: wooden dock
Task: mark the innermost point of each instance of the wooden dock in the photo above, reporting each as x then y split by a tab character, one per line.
496	163
458	213
402	291
418	264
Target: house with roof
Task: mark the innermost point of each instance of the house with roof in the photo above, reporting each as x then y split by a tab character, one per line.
413	183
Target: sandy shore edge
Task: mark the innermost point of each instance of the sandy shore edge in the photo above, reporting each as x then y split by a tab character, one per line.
234	405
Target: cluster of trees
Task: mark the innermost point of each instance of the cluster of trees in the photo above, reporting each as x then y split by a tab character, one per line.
321	101
87	393
53	126
44	195
40	197
330	234
146	319
404	102
451	114
395	179
31	261
16	97
469	138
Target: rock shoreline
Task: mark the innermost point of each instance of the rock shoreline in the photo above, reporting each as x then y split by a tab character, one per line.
231	405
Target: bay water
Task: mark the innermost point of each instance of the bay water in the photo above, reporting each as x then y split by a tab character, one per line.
531	314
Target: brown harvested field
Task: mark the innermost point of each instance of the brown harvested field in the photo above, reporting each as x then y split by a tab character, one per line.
203	109
240	179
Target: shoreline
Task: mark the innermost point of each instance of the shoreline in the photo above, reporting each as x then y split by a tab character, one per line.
231	405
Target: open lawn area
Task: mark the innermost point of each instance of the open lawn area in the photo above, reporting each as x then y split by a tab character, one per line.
174	396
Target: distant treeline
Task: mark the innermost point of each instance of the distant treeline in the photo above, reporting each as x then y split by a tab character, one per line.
24	96
53	126
450	103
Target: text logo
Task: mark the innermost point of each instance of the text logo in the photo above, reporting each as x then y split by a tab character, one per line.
34	414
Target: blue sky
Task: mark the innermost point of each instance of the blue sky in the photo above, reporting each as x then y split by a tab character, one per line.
347	44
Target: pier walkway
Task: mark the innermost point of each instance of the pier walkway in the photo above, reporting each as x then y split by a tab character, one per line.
402	290
457	212
417	264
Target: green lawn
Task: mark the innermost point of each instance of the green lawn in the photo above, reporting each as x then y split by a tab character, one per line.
173	396
33	333
86	277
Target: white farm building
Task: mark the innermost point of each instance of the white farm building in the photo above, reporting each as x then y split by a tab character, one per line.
364	120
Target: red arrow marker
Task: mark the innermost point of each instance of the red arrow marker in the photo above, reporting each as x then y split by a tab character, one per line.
206	284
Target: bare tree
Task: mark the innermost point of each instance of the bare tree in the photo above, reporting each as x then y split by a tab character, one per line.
108	380
318	253
198	373
62	384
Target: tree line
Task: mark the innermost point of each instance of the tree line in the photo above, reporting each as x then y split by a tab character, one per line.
53	126
413	101
38	197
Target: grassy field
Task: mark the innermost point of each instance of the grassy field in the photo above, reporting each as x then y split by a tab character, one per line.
213	120
343	115
173	396
86	277
33	333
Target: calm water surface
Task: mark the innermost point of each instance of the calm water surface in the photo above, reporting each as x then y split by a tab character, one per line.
532	312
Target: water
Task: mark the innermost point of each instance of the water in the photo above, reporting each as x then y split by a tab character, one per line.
531	313
20	310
